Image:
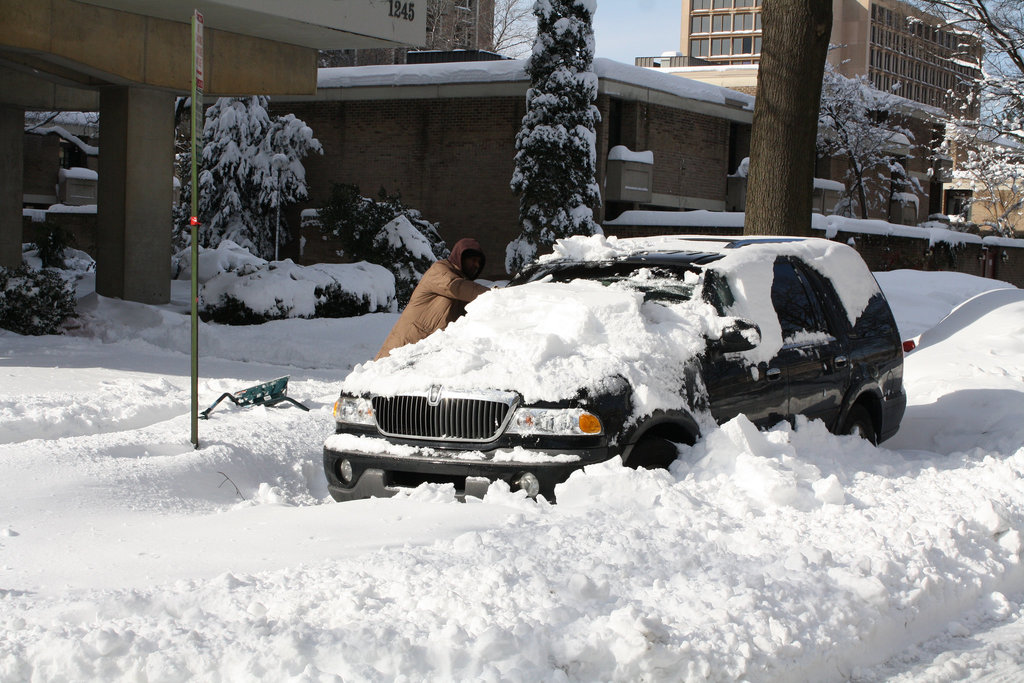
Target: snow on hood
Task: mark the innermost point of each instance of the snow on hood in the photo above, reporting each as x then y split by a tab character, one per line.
548	341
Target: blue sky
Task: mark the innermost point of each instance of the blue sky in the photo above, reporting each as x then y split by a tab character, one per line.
624	29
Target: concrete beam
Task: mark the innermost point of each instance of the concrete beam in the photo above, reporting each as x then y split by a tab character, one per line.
101	46
133	259
319	24
12	135
23	88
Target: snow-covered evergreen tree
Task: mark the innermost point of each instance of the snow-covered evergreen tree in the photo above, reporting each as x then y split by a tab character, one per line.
251	167
556	147
850	126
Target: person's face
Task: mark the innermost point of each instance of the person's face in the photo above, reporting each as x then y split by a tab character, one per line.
472	264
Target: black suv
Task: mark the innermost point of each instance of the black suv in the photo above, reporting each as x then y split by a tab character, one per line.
789	326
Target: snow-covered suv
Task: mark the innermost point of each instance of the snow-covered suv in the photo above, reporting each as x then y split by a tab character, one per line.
623	347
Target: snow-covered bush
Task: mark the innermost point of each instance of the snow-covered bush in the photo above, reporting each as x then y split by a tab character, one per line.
248	290
227	256
556	157
385	232
51	241
34	301
251	168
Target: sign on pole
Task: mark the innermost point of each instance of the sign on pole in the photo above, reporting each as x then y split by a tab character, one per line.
197	149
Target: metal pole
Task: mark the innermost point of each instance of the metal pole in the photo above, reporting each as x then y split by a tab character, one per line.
197	117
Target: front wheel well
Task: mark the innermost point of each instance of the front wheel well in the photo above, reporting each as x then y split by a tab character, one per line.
662	430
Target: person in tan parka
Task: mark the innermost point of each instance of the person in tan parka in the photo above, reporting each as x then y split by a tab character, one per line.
440	297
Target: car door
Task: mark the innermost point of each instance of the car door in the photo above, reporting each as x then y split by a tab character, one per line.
733	386
813	357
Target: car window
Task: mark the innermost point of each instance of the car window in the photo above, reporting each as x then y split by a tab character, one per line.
876	320
717	292
799	314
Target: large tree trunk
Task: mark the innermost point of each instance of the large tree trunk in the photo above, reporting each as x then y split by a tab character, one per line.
782	144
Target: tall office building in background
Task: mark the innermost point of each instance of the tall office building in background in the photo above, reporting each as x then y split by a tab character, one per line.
898	48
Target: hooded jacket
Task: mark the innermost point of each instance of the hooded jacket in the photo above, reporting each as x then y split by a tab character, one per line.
439	298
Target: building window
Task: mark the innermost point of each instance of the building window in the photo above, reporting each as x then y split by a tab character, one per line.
742	46
719	46
744	3
757	43
721	23
701	4
700	24
721	4
757	21
699	48
743	22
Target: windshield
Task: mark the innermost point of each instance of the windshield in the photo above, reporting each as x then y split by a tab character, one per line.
664	284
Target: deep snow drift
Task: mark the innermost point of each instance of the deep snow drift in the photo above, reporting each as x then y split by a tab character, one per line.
785	555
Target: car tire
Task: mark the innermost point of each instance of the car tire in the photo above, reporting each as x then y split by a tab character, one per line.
653	452
859	423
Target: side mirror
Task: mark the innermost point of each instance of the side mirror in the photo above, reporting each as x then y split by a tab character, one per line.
740	335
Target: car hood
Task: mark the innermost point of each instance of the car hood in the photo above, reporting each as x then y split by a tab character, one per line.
549	341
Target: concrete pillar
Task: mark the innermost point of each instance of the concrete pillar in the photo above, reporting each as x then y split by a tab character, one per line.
12	135
133	259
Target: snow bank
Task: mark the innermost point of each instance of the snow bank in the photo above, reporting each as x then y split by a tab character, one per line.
790	554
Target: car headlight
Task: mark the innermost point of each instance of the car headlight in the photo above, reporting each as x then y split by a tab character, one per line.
354	410
560	421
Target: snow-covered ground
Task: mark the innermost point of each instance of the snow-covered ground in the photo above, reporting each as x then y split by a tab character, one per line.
126	554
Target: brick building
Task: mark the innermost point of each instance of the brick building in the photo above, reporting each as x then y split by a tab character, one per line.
443	136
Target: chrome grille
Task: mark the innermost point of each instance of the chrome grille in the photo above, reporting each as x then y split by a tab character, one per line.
451	418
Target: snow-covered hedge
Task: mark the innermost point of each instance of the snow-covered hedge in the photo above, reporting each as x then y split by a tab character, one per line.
35	301
383	231
241	289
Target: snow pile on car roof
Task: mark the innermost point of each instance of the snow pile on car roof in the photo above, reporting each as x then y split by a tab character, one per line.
748	264
549	340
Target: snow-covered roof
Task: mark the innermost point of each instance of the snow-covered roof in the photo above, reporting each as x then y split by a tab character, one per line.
830	225
75	122
87	149
826	184
612	77
77	173
623	153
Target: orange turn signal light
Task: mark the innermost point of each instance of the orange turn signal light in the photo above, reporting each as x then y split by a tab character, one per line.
590	424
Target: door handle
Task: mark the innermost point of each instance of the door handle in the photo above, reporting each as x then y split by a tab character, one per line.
773	374
841	361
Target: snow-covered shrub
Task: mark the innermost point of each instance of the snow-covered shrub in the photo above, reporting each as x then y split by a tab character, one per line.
385	232
257	292
227	256
556	150
34	301
51	241
251	167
